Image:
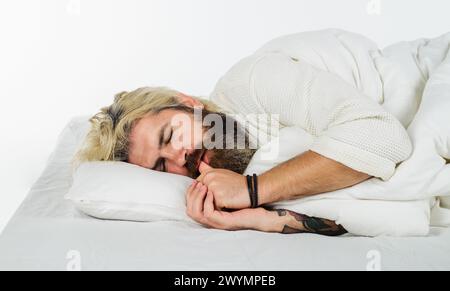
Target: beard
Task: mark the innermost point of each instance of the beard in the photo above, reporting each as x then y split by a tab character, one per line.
224	155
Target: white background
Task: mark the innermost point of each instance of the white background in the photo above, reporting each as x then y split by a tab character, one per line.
62	58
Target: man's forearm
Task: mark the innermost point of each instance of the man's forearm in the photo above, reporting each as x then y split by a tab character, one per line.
288	222
305	175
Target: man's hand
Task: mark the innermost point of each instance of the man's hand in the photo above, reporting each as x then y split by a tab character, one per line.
229	188
200	207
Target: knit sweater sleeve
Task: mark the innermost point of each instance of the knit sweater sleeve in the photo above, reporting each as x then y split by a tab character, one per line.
349	127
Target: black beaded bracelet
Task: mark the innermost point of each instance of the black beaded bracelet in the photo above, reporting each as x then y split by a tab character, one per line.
255	191
252	186
250	189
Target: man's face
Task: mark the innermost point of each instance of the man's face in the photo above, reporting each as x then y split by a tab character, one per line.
173	141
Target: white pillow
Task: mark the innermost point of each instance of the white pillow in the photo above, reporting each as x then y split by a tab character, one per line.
122	191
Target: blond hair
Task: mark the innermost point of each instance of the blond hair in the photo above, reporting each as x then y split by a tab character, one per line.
108	138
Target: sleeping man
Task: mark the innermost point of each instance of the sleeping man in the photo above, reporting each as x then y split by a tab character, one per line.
294	80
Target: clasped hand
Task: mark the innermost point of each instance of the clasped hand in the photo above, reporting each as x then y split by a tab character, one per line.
216	190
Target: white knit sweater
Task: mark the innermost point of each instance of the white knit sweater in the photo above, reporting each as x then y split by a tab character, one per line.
348	127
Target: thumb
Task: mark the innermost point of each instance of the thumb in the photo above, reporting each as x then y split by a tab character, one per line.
204	167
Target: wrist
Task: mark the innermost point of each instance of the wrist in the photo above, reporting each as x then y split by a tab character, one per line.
271	222
251	218
266	193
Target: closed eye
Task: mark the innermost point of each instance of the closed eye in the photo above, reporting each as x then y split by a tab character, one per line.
169	138
160	165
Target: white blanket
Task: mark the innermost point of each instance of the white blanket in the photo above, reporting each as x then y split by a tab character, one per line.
415	79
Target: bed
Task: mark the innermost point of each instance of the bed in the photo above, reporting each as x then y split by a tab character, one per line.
47	230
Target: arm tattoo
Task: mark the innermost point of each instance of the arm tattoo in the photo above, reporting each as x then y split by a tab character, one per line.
305	224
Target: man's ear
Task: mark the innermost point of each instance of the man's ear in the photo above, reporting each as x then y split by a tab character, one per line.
189	101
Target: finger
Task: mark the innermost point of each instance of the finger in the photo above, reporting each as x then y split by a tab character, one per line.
204	167
191	188
196	190
189	191
191	198
208	207
202	177
197	208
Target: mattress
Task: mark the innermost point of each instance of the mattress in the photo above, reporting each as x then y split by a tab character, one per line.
47	230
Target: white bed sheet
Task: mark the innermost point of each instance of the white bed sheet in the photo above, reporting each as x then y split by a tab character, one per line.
47	228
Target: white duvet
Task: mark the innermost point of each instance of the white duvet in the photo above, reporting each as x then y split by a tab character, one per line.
413	79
